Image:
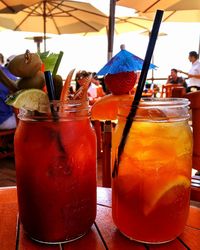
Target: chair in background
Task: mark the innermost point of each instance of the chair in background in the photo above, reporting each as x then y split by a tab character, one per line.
6	140
172	90
194	98
97	127
178	91
106	156
103	131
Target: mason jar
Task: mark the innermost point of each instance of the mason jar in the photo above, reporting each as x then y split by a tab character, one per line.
151	182
55	155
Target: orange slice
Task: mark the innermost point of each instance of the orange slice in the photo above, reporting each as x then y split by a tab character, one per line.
167	193
106	108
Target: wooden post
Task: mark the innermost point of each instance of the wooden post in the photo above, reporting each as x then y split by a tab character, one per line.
97	128
194	98
106	158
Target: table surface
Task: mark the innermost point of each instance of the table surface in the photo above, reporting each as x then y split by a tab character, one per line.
103	234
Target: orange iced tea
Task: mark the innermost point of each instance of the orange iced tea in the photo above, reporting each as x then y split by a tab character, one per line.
56	175
151	191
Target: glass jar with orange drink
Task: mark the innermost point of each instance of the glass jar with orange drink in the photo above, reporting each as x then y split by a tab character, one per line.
151	187
55	153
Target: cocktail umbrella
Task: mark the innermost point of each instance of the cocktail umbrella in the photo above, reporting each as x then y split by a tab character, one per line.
124	61
55	16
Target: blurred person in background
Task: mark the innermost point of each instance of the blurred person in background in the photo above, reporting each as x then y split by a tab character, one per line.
194	72
173	78
95	90
7	115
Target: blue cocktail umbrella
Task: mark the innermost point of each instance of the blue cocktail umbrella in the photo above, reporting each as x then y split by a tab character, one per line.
123	61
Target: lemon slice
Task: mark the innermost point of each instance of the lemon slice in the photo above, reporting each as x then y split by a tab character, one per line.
30	99
167	193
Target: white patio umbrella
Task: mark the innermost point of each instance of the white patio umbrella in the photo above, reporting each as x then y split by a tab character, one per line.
129	23
70	17
54	16
182	11
185	5
148	6
13	6
174	10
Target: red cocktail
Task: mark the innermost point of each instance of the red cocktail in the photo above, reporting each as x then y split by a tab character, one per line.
56	174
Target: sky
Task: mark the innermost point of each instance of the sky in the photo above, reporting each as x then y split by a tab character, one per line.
90	52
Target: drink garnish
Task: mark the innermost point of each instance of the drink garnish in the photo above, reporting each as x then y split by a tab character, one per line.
31	99
168	192
81	93
121	83
49	60
65	90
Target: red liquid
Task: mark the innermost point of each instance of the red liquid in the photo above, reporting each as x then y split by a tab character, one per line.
56	178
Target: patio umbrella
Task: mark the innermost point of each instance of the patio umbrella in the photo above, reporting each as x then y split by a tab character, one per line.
55	16
134	23
67	17
185	5
13	6
148	6
181	11
123	25
126	24
174	10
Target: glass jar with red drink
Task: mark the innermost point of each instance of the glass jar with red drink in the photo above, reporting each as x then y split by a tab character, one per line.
55	154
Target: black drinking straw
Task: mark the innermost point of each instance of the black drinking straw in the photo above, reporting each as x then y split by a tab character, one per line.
49	85
138	94
50	92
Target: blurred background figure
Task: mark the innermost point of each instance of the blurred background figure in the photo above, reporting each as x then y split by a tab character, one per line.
194	72
7	115
173	78
95	90
8	60
1	59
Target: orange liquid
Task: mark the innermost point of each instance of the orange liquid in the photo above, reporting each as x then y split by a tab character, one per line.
151	192
56	178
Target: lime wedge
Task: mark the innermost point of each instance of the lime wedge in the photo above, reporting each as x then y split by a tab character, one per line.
30	99
168	193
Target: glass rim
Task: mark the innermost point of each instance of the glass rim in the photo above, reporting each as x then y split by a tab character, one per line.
159	102
56	110
69	102
156	109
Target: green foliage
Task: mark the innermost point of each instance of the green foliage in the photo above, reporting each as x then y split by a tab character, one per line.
49	60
